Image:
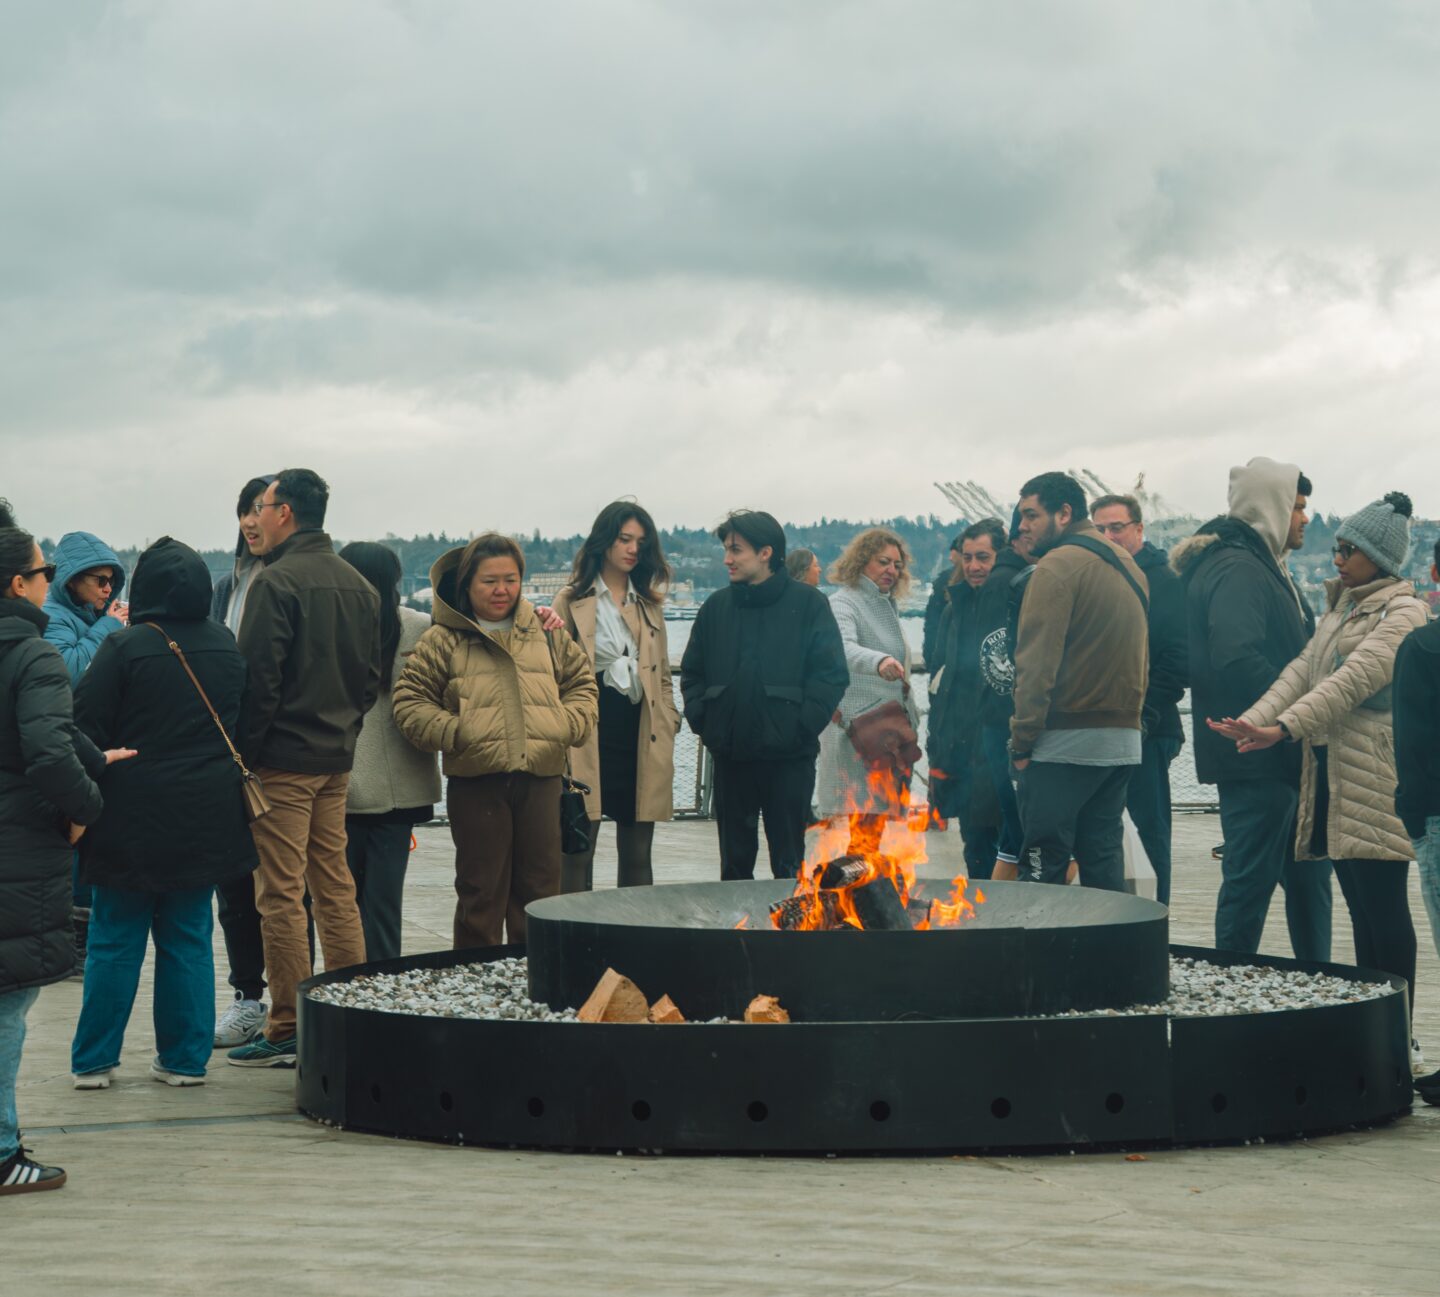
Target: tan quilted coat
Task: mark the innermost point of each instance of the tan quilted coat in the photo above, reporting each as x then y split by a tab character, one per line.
491	707
659	719
1319	698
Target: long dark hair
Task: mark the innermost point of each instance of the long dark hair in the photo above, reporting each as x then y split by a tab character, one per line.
17	547
381	567
652	572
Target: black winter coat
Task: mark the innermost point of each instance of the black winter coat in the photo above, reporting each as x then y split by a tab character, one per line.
1169	645
996	611
47	776
764	670
174	815
932	645
1246	622
1416	717
955	705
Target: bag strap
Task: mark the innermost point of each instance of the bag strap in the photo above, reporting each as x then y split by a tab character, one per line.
200	689
1103	549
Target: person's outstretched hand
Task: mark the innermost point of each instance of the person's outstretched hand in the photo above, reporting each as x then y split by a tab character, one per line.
112	755
1248	737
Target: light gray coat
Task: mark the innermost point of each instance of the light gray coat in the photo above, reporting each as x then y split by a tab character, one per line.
389	774
870	626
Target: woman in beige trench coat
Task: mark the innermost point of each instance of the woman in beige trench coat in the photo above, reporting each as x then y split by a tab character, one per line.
612	609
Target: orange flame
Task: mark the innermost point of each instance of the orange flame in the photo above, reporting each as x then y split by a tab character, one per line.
853	840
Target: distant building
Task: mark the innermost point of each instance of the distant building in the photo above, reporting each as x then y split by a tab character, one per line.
542	587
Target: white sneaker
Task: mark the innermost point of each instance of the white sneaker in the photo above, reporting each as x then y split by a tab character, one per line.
158	1073
1417	1059
240	1023
93	1080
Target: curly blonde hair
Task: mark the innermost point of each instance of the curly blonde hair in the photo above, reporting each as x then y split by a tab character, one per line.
851	565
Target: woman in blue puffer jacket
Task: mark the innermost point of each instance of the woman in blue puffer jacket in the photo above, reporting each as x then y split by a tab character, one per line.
83	604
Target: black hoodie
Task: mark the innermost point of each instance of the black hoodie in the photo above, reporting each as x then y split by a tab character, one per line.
1416	711
174	816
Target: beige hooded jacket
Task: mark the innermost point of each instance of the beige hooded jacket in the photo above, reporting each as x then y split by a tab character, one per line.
491	707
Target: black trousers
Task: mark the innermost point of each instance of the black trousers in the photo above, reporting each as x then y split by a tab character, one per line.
781	791
378	853
1148	802
1074	811
240	922
1376	892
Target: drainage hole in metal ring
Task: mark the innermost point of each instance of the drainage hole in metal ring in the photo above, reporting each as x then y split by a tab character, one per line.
1114	1103
757	1111
375	1093
1000	1107
535	1107
1301	1095
880	1110
640	1110
1219	1102
447	1101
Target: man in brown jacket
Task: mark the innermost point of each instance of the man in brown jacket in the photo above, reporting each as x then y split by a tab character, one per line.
1081	666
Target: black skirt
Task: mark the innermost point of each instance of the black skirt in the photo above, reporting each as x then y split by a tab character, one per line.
619	741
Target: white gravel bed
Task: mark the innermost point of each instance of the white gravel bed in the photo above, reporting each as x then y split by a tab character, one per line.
499	990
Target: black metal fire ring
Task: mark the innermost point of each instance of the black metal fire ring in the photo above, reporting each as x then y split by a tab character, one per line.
1029	949
972	1085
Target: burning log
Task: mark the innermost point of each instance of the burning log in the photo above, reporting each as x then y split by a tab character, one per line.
844	872
615	999
765	1008
790	914
664	1010
879	907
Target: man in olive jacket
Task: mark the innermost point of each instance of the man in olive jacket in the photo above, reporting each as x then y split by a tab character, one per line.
311	637
762	675
1080	670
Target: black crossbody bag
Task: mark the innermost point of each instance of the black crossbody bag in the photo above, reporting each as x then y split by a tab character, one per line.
574	818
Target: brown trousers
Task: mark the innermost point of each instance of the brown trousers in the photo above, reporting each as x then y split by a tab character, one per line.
301	843
506	830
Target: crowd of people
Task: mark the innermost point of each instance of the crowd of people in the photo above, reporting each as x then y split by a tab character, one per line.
264	745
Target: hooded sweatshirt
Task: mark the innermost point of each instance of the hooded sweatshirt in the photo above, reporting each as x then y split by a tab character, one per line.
1245	619
77	630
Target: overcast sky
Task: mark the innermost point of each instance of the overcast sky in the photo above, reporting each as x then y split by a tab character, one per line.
492	265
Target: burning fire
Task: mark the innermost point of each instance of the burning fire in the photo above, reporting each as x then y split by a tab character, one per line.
848	882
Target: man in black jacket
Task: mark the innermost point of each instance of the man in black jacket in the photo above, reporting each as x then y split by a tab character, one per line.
761	677
1416	710
1246	622
311	637
1119	519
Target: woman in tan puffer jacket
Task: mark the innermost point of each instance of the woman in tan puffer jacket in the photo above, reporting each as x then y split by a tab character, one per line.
1335	700
503	702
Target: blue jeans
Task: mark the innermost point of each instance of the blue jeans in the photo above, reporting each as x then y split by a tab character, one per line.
120	923
1257	817
1427	856
1148	802
14	1005
993	739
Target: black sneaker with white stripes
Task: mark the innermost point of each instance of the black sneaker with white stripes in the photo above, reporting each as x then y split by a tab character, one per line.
19	1174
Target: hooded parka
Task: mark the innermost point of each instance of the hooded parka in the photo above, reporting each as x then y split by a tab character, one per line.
77	630
491	707
48	771
659	717
174	815
1336	693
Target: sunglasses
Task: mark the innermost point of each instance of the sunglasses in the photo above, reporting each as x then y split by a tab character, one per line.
1342	551
47	568
104	582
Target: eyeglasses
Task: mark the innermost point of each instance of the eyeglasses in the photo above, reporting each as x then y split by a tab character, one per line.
47	568
266	504
1342	551
1113	528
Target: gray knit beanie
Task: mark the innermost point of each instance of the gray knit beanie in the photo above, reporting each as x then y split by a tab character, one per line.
1381	531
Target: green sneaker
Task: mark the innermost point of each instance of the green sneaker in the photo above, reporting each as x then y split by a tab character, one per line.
264	1053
